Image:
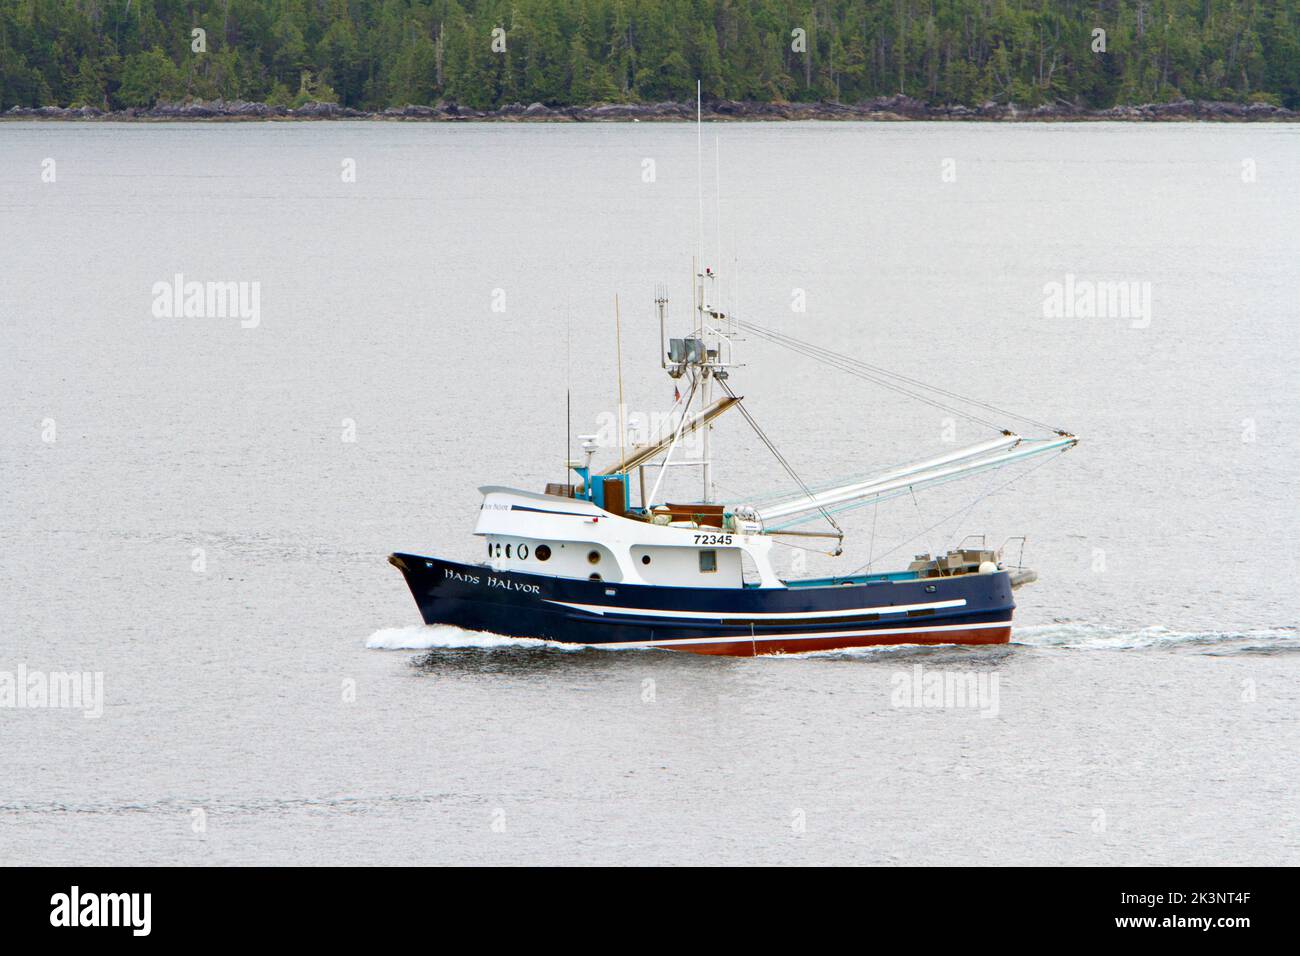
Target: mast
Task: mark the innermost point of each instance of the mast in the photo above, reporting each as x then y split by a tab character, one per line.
622	408
705	390
706	398
704	355
661	305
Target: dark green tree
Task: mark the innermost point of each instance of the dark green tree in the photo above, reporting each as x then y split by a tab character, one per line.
378	53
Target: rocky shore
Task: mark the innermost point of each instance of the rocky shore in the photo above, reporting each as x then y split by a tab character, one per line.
898	107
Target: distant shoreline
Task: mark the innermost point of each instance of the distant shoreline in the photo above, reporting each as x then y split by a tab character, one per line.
892	108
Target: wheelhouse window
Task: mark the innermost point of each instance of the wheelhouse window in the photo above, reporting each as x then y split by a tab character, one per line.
708	561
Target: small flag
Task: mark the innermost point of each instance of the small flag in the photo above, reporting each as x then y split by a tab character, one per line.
677	396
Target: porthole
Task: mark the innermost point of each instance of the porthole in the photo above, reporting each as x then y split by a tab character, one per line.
523	552
489	549
507	551
593	557
645	559
594	577
543	552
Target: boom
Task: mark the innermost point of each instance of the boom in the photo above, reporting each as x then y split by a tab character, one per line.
968	461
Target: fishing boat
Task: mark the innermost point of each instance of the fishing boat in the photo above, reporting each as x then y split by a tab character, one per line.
601	559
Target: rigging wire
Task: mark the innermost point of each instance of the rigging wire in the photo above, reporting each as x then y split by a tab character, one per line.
966	514
804	547
840	360
917	505
875	513
782	338
677	435
777	453
847	365
965	508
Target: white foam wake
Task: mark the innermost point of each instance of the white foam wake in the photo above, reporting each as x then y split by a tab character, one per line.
1077	635
1089	636
429	636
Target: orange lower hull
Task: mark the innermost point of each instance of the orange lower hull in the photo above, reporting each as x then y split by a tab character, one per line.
785	645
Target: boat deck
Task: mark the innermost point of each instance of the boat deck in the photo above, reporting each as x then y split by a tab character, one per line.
851	579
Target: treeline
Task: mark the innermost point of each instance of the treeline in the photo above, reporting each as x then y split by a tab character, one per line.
371	54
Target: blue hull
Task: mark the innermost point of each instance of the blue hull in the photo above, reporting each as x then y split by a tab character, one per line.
962	609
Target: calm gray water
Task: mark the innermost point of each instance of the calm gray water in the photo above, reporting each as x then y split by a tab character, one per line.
182	511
